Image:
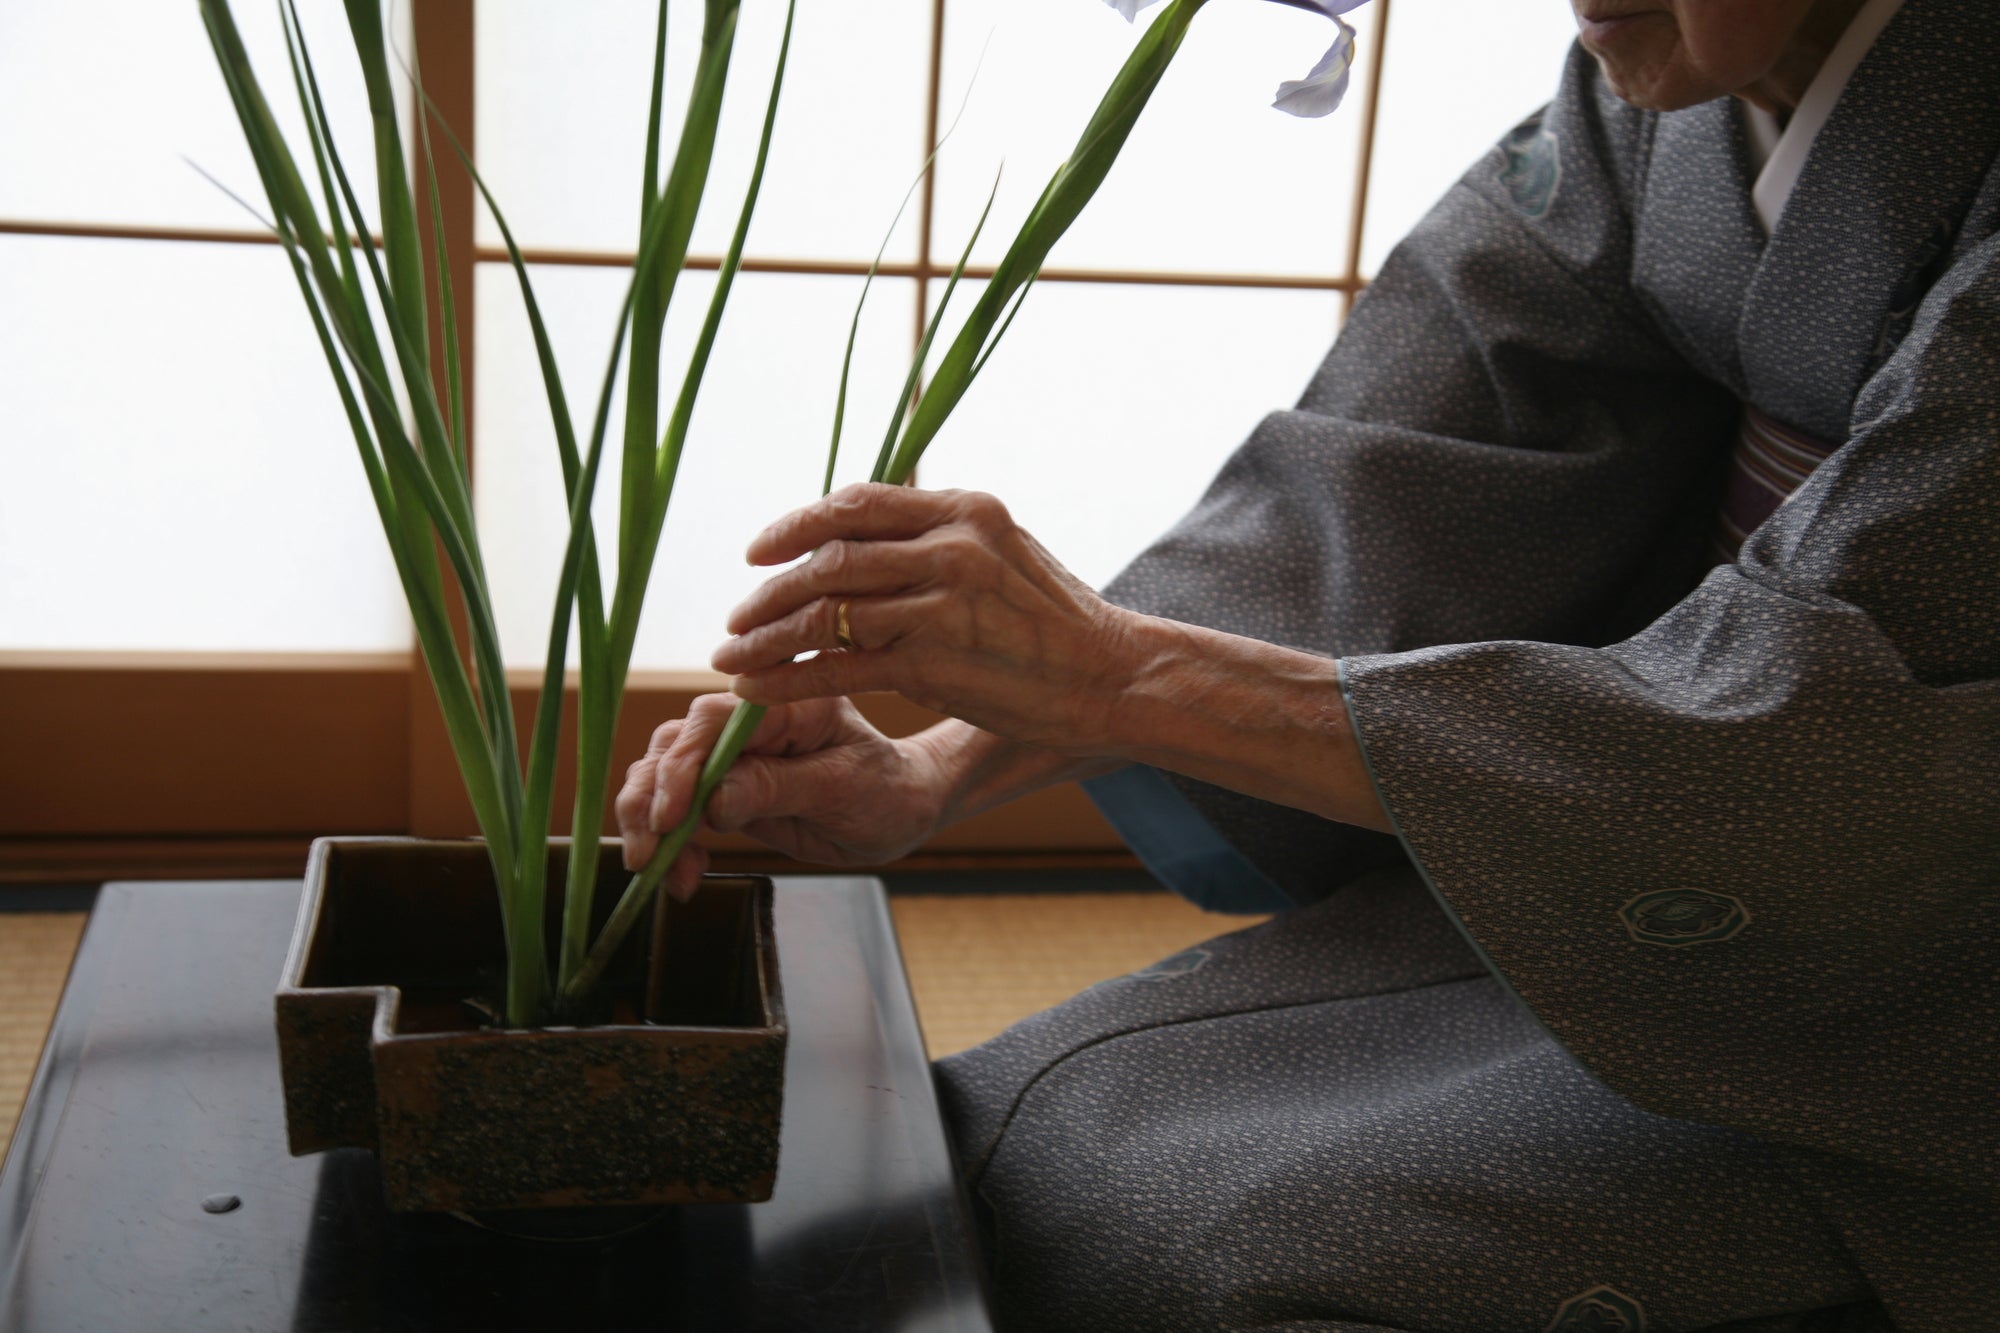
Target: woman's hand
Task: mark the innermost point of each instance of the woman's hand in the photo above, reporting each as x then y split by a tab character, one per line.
951	605
948	603
816	781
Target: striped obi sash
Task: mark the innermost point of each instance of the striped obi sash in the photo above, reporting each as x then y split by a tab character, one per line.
1770	461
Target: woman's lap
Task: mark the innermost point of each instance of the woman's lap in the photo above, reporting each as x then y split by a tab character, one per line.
1336	1120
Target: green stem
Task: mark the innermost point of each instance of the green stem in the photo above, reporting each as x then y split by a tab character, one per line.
638	895
625	611
1067	192
1072	186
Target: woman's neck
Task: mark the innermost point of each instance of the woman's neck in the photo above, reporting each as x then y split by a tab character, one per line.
1784	86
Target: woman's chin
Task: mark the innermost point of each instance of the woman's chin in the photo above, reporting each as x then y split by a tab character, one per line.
1651	80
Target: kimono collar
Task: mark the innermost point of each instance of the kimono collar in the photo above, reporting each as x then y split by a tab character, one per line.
1696	243
1779	154
1875	214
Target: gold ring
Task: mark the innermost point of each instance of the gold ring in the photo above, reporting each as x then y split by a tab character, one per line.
841	635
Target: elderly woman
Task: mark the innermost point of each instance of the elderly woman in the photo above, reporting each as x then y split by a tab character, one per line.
1671	1001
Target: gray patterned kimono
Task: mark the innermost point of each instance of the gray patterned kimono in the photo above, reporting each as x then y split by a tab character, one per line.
1723	1049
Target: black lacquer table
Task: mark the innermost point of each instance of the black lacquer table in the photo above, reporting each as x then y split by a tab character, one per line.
157	1099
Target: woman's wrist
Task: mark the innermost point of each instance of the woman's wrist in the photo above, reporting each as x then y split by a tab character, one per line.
975	770
1243	714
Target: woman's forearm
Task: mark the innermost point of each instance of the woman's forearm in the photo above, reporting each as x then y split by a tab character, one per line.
1239	713
1250	716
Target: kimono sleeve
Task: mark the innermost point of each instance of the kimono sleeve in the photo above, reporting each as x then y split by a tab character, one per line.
1745	863
1500	445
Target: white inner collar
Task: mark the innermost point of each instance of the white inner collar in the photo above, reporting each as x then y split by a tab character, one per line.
1779	155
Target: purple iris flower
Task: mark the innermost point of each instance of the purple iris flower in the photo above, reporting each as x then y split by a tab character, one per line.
1320	91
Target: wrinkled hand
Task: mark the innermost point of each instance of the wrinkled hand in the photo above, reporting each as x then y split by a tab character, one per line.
817	781
949	604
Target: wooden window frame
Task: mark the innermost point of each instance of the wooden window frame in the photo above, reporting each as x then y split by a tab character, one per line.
208	764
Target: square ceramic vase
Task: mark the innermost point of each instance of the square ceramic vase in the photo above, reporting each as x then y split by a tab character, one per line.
387	1040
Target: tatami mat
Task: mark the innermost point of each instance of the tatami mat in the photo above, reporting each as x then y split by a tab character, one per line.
35	949
977	962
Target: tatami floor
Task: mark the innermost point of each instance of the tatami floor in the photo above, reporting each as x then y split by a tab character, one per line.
977	962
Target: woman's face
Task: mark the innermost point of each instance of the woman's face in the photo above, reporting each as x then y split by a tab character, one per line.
1663	55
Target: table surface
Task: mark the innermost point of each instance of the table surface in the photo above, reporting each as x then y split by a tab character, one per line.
159	1088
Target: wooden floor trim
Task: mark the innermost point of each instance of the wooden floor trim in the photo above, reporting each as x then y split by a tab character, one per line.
49	862
190	766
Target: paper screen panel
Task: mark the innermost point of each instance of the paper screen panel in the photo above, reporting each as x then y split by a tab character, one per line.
1212	178
757	446
180	473
1460	74
110	102
1110	407
563	92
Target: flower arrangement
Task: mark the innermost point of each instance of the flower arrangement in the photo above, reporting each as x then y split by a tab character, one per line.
369	311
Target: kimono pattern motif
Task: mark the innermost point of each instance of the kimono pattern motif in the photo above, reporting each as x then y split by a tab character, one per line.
1729	837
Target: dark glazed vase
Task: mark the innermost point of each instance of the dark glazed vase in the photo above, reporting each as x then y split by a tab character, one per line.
386	1040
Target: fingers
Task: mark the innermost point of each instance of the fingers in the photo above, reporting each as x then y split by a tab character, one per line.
827	676
873	624
880	541
869	512
659	786
883	552
634	802
638	848
789	768
811	628
685	875
679	765
849	568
